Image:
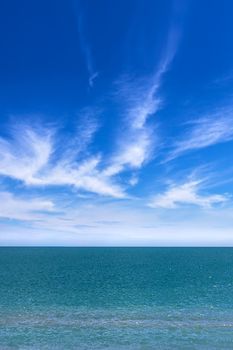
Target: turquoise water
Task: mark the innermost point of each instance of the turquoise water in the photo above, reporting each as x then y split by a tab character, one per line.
116	298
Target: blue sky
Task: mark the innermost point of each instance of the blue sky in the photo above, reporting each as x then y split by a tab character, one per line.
116	122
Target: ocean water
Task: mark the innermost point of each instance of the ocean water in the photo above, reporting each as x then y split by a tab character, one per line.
116	298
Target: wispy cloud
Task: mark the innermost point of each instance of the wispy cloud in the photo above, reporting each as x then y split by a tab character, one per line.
26	153
22	208
142	100
85	47
132	152
30	156
188	193
204	132
82	134
85	223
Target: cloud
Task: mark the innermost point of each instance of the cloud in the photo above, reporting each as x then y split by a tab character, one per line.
133	153
92	77
82	135
86	50
85	176
187	193
27	209
205	132
85	223
26	154
30	156
142	100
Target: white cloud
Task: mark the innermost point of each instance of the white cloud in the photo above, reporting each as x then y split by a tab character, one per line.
185	194
21	208
136	144
132	153
84	176
205	132
93	76
83	134
85	47
28	157
133	180
26	154
126	223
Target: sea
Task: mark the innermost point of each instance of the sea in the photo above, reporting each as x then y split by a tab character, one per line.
116	298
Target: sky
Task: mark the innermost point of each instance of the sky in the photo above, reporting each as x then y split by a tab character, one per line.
116	123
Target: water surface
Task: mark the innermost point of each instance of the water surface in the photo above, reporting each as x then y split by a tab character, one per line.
116	298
